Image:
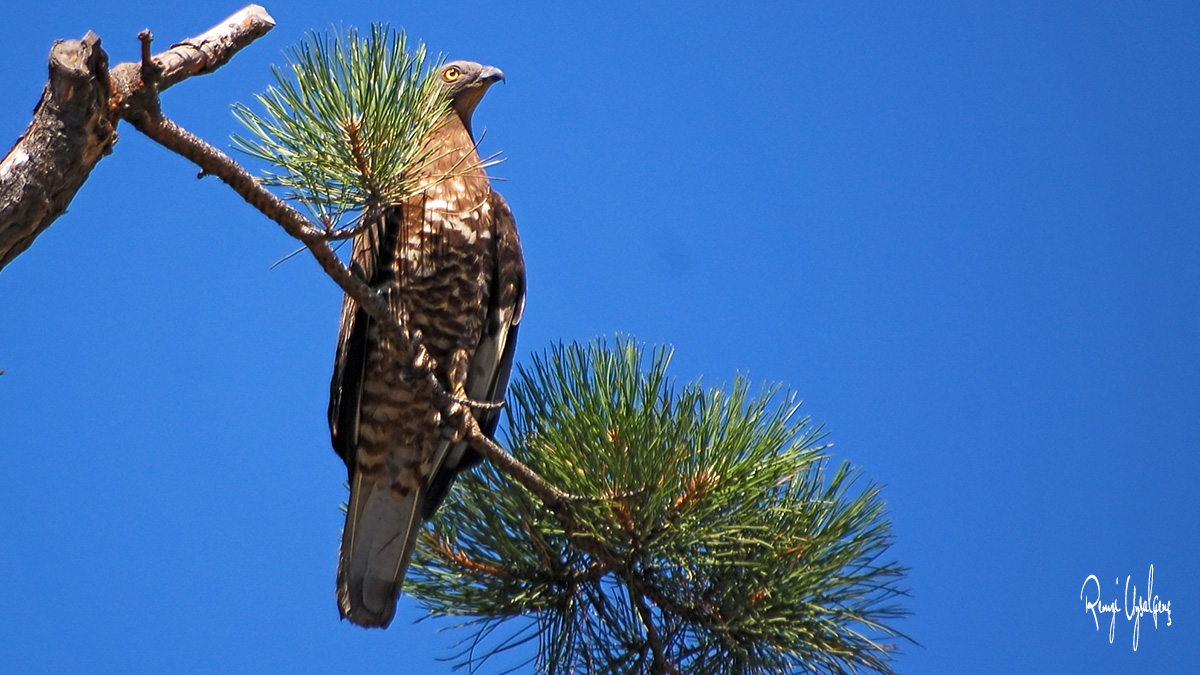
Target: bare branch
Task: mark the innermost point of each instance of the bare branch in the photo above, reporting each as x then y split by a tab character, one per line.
199	55
132	94
552	497
72	128
146	117
74	124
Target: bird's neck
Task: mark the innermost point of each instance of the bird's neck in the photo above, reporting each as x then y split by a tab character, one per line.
464	107
453	148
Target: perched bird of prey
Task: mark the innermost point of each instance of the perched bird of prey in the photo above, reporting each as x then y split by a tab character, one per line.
447	258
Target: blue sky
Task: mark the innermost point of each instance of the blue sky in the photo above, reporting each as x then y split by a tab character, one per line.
967	234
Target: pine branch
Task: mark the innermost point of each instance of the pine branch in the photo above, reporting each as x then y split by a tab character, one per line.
342	128
642	527
142	110
730	548
661	664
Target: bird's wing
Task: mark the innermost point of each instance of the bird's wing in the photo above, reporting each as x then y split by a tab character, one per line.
345	388
492	363
380	531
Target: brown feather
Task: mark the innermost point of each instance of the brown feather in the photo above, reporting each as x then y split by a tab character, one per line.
450	260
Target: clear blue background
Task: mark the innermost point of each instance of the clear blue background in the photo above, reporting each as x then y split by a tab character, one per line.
965	233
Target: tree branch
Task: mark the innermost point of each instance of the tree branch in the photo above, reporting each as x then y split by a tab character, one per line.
199	55
661	664
143	113
72	128
132	94
74	124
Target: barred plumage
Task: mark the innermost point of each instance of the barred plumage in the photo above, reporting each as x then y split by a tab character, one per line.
450	259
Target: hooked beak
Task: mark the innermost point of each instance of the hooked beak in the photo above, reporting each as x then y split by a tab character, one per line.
491	75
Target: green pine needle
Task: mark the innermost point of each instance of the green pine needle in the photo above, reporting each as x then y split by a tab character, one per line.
342	129
747	552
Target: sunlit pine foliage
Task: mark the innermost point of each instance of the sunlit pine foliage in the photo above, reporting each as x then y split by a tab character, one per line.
342	127
711	535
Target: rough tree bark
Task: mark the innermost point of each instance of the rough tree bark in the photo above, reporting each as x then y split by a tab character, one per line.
74	125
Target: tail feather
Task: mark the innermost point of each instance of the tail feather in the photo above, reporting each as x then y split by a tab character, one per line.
377	545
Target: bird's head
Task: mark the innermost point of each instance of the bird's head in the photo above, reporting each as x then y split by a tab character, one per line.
465	83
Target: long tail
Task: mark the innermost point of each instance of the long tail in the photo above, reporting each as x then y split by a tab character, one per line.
377	544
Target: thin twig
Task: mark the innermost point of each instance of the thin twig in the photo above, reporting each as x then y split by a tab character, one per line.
366	220
147	118
552	497
147	61
661	663
194	56
592	573
143	112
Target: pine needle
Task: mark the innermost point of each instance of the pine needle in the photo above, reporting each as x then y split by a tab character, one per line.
732	546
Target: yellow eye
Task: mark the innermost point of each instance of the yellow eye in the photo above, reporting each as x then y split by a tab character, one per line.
451	74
